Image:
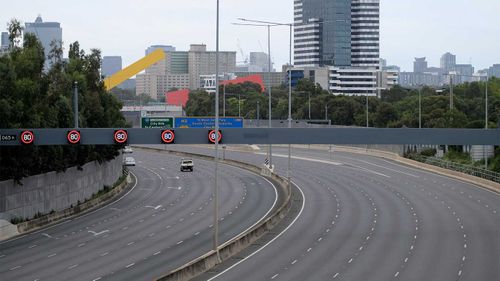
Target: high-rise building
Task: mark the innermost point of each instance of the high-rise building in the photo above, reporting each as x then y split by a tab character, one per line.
202	62
111	65
448	62
494	71
259	62
420	65
46	32
341	34
181	70
165	48
5	40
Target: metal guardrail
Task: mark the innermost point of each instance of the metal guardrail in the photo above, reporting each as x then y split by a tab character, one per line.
466	169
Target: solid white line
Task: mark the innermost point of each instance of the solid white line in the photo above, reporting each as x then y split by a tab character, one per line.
272	240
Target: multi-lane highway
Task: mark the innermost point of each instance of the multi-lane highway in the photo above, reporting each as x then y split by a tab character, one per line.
366	218
164	221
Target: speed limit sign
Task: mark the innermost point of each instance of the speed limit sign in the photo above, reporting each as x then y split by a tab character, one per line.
211	136
167	136
121	136
27	137
74	137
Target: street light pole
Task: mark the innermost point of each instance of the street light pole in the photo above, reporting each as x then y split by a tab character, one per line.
258	114
75	105
420	108
289	172
309	105
269	90
486	119
367	121
216	186
224	100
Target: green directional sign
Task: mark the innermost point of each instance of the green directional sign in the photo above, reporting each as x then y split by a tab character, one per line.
157	122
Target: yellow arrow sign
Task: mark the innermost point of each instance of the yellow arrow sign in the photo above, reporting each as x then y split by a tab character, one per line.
131	70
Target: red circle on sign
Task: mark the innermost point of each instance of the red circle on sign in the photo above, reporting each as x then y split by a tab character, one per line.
27	137
168	136
74	137
211	136
121	136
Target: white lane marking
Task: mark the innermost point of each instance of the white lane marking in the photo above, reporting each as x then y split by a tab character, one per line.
460	273
396	275
157	253
196	234
274	276
154	207
176	187
103	254
81	245
303	158
294	262
308	250
97	279
51	255
46	235
98	233
406	260
79	217
170	178
15	267
350	260
130	243
32	246
380	166
73	266
180	242
335	276
132	264
272	240
2	256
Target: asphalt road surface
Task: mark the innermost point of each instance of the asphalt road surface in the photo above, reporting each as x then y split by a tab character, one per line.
366	218
160	224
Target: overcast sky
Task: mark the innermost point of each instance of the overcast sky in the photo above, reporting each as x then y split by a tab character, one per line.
409	28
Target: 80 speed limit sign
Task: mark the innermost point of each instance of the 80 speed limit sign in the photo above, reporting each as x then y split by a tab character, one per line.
167	136
27	137
211	136
121	136
74	137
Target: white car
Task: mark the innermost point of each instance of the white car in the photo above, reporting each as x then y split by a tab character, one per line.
129	161
127	149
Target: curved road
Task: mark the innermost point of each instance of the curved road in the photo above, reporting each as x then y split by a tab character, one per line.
366	218
160	224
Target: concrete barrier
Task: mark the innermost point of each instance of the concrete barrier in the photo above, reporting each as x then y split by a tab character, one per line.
82	208
238	243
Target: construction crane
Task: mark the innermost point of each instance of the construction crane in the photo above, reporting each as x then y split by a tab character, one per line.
245	58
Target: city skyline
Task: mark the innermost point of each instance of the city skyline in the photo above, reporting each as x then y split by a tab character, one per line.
408	29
